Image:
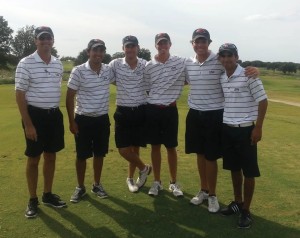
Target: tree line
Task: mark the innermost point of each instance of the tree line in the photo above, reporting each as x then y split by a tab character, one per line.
12	49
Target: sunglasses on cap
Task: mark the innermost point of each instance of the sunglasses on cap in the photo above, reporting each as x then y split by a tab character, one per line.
45	37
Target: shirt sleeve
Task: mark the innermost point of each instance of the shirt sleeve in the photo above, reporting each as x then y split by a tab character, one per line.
22	77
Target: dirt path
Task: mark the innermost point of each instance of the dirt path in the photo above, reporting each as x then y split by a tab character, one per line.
286	102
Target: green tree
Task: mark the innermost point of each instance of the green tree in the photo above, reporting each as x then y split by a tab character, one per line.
5	40
144	54
23	43
117	55
288	67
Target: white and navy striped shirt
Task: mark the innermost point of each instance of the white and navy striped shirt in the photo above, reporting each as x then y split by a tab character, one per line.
204	79
131	87
165	80
242	95
40	81
92	97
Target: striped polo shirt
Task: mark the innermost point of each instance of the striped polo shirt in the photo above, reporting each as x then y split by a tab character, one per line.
131	87
165	80
204	79
92	97
40	81
242	95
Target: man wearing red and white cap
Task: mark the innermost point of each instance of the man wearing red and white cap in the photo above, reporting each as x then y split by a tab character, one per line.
165	76
38	91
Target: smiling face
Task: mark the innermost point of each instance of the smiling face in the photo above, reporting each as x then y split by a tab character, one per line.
96	55
163	47
228	60
131	51
200	46
44	43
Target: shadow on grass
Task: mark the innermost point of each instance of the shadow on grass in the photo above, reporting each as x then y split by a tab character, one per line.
169	217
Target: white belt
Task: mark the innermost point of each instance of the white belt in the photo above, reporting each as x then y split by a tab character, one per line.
246	124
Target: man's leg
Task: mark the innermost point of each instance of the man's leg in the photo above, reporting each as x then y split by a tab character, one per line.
172	160
249	185
156	161
80	171
97	165
237	183
132	157
201	163
48	171
32	175
211	176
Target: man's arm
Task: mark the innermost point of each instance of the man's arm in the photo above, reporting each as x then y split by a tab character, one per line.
256	134
70	109
252	72
30	131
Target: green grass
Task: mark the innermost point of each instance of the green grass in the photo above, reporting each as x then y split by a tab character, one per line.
275	205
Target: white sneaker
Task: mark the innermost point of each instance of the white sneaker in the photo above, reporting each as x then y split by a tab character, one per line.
131	185
199	198
156	186
213	204
175	189
143	176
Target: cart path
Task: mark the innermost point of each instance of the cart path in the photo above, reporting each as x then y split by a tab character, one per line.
297	104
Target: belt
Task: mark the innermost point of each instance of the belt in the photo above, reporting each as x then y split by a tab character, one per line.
246	124
44	110
131	108
173	104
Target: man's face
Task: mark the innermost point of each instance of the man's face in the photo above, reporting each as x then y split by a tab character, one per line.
163	47
228	60
200	46
131	50
96	55
44	43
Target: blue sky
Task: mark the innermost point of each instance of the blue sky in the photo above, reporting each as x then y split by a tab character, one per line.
262	30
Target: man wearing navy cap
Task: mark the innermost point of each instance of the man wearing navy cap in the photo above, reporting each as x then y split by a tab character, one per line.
38	90
88	119
244	112
130	112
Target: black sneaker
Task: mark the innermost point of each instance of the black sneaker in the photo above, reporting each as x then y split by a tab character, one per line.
78	194
53	200
232	208
32	208
245	219
99	191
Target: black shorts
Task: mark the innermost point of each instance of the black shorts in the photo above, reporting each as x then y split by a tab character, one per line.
238	153
130	126
203	133
49	127
162	125
93	136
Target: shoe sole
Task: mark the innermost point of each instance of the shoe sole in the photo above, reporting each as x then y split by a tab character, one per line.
149	172
77	201
31	217
51	205
99	195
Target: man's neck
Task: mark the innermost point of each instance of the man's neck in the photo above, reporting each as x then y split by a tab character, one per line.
202	57
132	62
45	56
162	58
96	67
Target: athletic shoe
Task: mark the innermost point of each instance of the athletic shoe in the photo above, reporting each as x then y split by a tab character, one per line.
32	208
231	209
53	200
199	198
245	219
143	176
99	191
131	185
156	186
174	188
213	204
78	194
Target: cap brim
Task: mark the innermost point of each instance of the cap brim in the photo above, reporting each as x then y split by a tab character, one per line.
200	36
160	39
228	50
43	32
130	43
97	45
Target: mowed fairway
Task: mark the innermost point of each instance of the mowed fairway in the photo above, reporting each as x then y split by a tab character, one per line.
275	207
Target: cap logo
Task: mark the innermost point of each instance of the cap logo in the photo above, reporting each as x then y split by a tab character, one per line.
200	30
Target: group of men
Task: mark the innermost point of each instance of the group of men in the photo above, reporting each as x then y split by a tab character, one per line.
227	109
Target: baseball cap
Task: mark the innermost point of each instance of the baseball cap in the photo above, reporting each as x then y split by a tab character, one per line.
95	43
127	40
161	36
201	33
229	47
43	30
